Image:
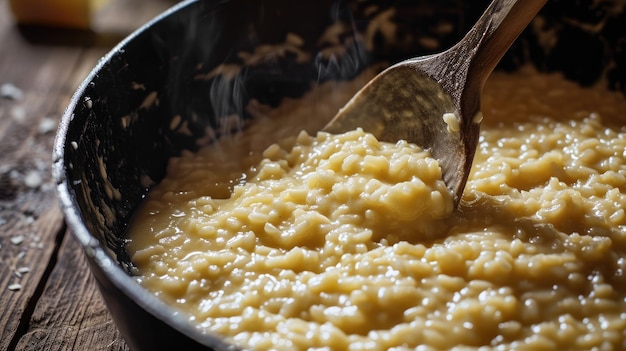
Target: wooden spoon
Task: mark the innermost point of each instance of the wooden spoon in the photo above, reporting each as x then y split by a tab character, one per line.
434	101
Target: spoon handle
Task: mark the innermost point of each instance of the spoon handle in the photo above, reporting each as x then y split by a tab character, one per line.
434	101
461	72
492	35
463	69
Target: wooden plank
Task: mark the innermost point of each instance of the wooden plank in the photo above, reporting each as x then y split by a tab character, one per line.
48	298
37	258
31	225
29	218
71	314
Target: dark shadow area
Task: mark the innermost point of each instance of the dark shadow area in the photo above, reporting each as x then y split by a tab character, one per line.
48	35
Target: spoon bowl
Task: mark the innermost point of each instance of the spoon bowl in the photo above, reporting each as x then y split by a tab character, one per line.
434	101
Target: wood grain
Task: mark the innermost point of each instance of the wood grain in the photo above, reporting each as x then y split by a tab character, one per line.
29	218
71	314
48	298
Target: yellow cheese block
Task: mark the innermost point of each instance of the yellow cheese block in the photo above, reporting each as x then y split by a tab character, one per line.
62	13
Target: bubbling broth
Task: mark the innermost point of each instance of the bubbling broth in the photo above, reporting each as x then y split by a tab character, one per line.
343	242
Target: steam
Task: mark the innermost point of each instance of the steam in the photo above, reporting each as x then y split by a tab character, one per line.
342	55
265	74
228	91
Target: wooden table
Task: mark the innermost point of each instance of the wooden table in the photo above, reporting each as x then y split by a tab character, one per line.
48	299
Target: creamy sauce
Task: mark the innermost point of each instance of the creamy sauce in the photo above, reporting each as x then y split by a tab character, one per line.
347	243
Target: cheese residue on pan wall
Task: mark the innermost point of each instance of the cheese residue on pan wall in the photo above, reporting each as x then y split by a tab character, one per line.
342	242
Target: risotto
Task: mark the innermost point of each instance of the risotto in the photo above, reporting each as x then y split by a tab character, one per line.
343	242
